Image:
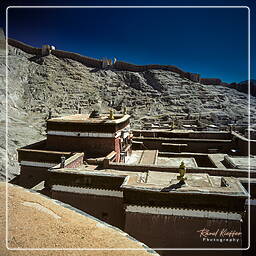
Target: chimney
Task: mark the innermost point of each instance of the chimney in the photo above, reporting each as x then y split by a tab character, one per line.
62	164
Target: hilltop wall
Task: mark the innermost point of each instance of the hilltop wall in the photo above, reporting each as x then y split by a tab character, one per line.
118	65
24	47
90	62
124	66
215	81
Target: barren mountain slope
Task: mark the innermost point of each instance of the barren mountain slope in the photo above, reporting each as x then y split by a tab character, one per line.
36	85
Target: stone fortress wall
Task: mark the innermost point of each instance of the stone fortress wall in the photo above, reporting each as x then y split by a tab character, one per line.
215	81
119	65
90	62
24	47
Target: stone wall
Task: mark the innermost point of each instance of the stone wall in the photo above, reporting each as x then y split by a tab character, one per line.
24	47
119	65
90	62
215	81
124	66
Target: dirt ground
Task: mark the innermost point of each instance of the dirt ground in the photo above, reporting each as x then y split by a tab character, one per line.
35	221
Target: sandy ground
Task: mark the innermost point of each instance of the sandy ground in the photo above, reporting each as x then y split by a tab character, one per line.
35	221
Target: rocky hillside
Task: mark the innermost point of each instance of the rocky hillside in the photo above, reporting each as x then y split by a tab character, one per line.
38	84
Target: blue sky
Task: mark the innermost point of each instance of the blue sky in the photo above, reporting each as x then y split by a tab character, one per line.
210	41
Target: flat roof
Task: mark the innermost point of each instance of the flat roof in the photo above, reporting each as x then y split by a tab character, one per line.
151	157
195	182
176	161
165	181
84	118
241	162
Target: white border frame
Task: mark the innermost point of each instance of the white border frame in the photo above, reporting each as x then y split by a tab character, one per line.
137	249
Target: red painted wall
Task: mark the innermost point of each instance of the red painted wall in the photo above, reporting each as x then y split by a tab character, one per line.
164	231
76	163
108	209
91	146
